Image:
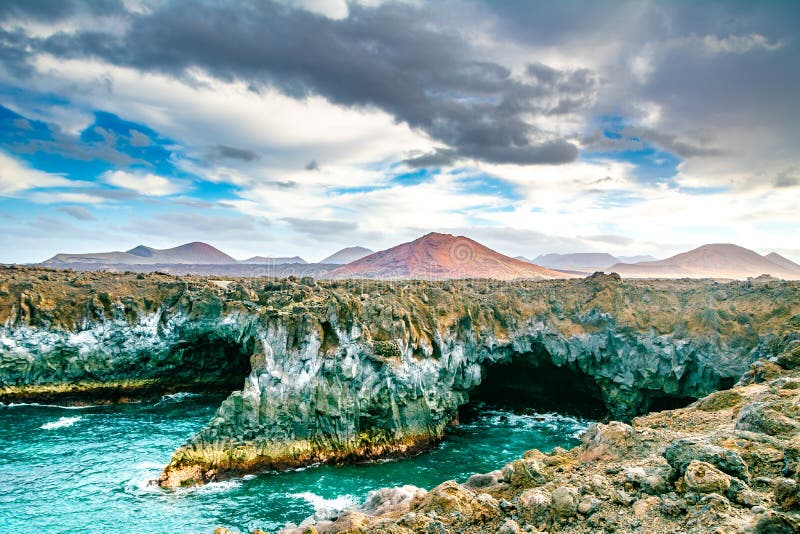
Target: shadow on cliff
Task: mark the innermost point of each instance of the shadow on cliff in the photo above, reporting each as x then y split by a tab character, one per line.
531	382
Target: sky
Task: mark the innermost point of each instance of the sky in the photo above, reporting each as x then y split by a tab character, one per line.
301	127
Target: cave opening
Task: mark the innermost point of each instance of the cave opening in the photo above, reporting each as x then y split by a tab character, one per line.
530	382
660	403
211	364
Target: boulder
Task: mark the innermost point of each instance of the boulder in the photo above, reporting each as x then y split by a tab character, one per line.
703	477
785	493
386	500
509	527
761	418
565	501
681	452
534	505
484	480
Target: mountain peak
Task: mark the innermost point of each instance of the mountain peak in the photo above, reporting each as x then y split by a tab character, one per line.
347	255
142	251
442	256
713	260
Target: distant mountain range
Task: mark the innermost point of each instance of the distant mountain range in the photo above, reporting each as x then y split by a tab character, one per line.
192	253
274	260
442	256
712	261
583	261
347	255
438	256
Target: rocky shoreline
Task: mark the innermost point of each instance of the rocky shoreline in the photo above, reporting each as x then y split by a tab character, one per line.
345	371
728	463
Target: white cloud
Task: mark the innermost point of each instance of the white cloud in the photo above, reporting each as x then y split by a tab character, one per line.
206	112
739	44
58	197
144	183
16	176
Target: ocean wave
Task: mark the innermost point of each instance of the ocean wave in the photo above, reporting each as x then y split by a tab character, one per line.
572	426
149	465
326	508
40	405
217	487
62	422
179	397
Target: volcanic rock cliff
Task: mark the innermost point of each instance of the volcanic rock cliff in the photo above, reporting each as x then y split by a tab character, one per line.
351	370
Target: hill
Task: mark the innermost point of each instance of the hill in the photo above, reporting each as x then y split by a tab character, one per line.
708	261
347	255
190	253
275	260
442	256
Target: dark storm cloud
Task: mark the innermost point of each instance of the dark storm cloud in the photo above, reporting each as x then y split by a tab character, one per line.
54	10
635	138
394	57
229	152
438	158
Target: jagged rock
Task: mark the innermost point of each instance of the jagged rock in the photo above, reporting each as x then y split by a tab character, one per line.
720	400
484	480
449	497
509	527
613	440
589	505
314	364
775	523
565	501
741	493
790	357
681	452
524	473
703	477
388	500
786	495
654	484
759	417
534	505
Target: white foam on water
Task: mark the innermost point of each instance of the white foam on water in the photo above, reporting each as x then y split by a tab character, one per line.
62	422
217	487
326	507
22	404
179	397
149	465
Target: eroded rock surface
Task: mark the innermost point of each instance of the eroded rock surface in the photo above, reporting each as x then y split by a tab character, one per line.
344	371
637	477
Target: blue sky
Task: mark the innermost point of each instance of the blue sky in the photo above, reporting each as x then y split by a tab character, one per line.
531	138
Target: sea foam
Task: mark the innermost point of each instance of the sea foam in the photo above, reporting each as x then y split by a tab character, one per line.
62	422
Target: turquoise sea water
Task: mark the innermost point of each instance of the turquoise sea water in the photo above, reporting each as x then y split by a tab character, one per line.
87	469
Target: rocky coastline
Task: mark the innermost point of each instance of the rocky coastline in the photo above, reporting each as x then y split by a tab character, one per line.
347	371
728	463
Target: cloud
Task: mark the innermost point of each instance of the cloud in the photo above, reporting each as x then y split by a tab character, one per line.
77	212
635	138
138	139
16	176
739	44
320	227
229	152
144	183
440	157
312	165
477	107
70	197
